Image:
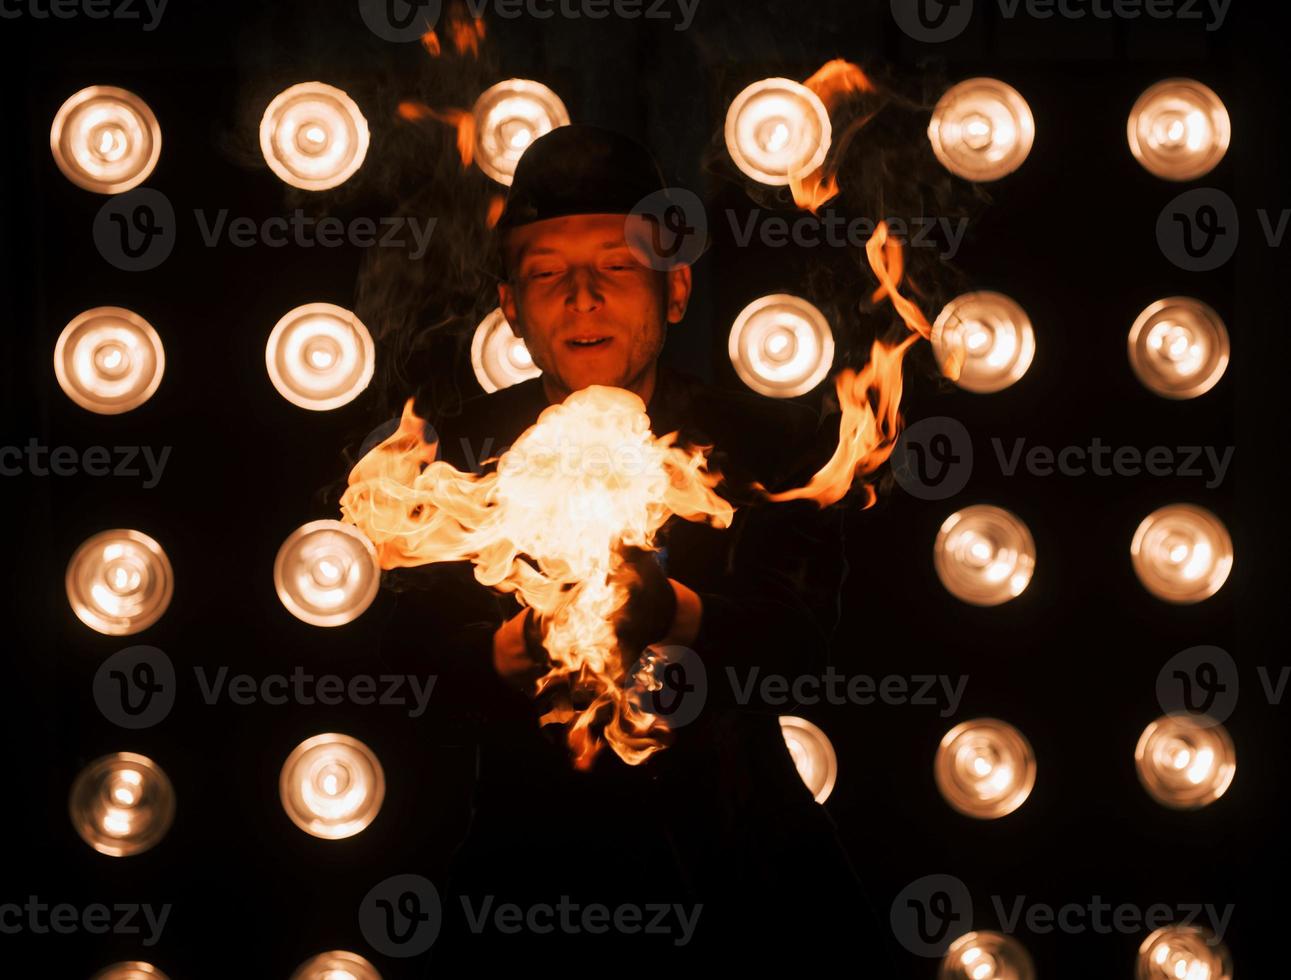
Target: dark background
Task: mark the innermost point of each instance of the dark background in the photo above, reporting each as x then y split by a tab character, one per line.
1072	662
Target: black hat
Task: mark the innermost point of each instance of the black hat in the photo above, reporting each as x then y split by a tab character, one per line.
580	170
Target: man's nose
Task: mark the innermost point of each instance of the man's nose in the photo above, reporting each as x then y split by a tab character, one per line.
584	294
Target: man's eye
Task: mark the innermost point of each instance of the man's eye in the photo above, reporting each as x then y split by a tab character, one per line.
543	274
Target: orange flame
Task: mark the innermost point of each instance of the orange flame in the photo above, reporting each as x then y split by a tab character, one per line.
871	398
547	523
461	119
497	204
465	34
835	82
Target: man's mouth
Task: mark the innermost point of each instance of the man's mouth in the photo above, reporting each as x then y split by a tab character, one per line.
588	341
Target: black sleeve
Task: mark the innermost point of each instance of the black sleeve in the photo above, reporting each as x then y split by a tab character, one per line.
779	605
441	621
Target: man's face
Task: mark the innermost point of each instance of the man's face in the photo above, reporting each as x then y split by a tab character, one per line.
586	303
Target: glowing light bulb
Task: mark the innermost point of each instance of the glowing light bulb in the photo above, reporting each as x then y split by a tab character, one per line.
313	136
327	573
981	129
119	582
985	768
509	116
984	555
1179	347
781	346
812	754
109	360
1179	129
1182	553
499	357
1185	762
121	804
132	970
777	130
987	337
320	356
986	956
338	964
105	139
332	786
1181	952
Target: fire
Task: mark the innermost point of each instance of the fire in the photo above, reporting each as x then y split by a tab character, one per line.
835	82
461	119
465	33
547	523
871	398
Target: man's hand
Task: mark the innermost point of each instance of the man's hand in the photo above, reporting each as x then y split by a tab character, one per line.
651	608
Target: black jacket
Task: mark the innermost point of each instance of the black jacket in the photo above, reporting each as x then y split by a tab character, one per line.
721	815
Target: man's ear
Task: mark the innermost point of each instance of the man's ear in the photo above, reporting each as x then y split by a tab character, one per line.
679	286
507	300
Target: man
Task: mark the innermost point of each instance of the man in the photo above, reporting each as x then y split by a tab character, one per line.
719	825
